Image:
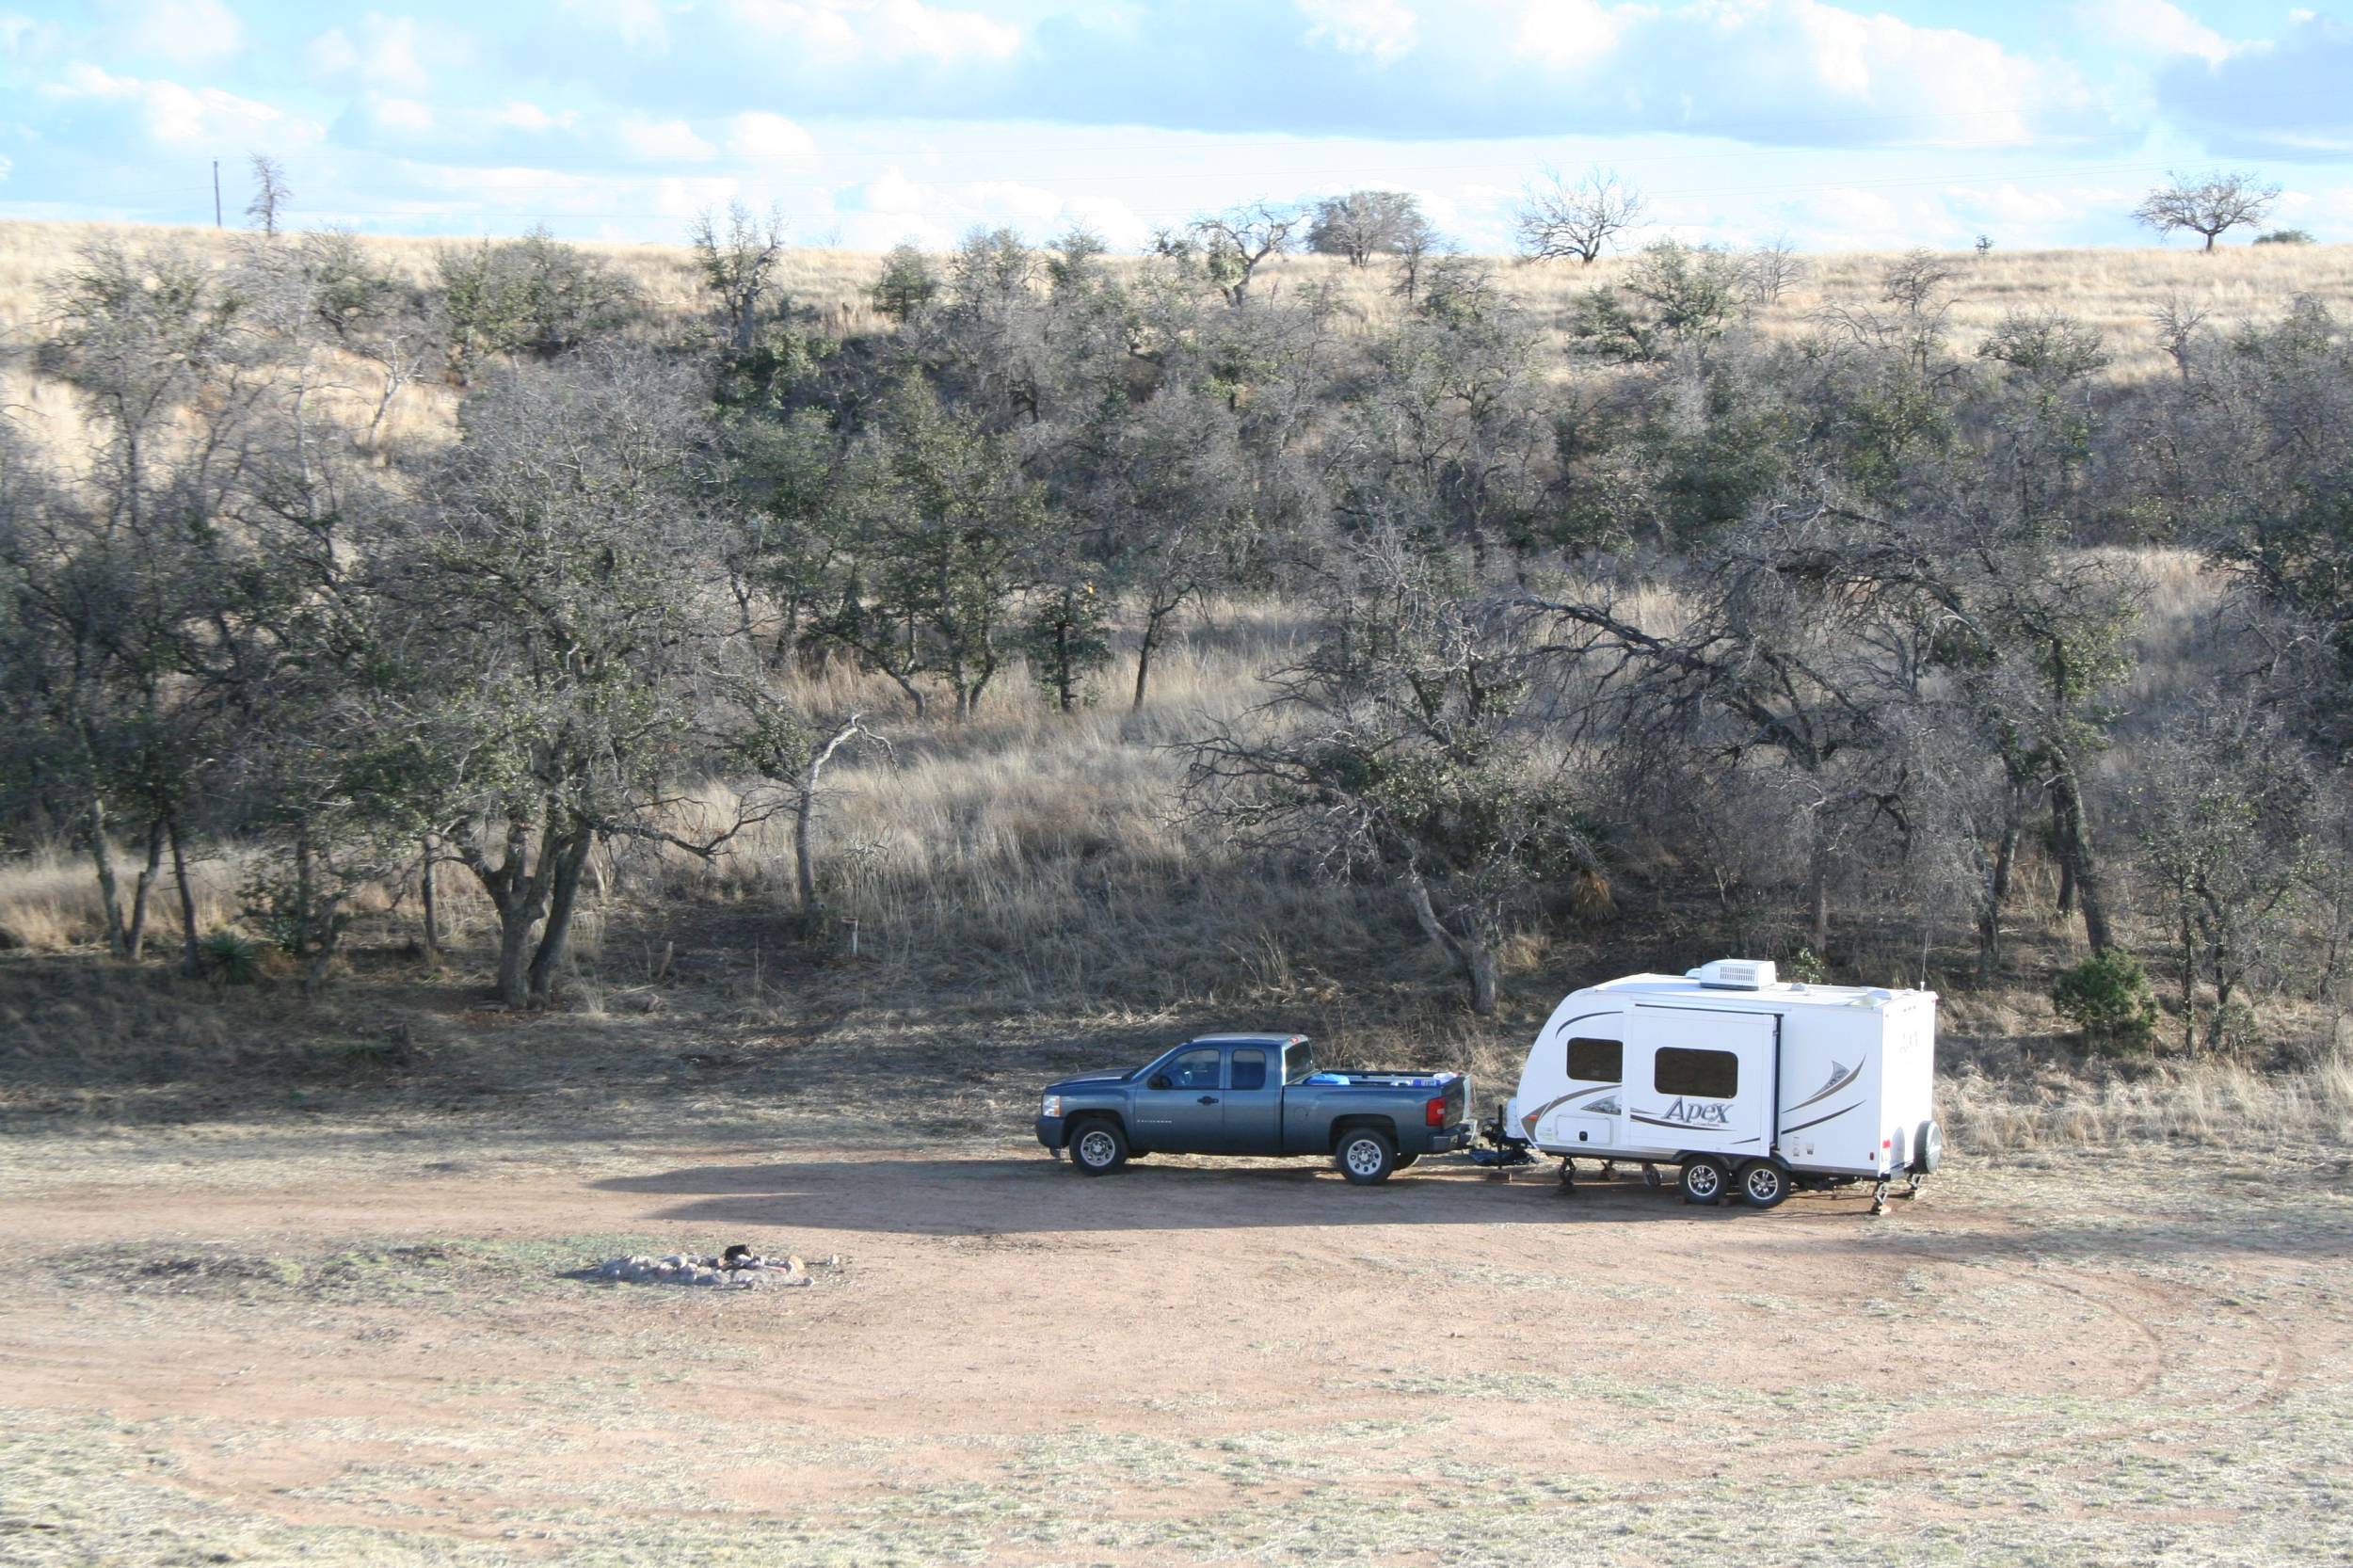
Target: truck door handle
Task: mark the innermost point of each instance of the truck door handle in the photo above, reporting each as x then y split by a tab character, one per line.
1208	1099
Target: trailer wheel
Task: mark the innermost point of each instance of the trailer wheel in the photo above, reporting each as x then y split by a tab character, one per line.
1365	1155
1927	1149
1705	1180
1764	1184
1097	1148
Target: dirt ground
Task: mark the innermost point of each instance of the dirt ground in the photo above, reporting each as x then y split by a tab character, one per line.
353	1344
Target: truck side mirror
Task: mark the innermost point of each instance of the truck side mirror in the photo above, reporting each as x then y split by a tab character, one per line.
1159	1080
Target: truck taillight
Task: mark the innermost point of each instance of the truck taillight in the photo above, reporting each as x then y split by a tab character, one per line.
1434	1115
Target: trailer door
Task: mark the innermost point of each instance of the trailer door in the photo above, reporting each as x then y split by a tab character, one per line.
1701	1078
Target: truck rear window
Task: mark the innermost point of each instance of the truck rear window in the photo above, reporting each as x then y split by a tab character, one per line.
1713	1075
1593	1060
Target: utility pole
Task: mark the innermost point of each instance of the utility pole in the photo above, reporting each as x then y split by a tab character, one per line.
215	193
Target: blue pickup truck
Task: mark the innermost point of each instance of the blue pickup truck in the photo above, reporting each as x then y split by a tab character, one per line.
1254	1094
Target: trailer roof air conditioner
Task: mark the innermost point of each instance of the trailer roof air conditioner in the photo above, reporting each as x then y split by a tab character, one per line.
1734	974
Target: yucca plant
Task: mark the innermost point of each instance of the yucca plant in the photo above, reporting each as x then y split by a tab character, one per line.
229	957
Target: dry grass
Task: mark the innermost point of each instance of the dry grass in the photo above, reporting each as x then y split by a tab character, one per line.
2065	1104
49	899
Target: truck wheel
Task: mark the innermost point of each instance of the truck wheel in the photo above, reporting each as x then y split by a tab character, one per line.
1764	1184
1365	1155
1097	1148
1705	1180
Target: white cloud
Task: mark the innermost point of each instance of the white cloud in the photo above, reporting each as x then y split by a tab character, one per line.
682	197
84	80
638	24
886	30
390	54
1382	28
187	32
768	135
892	207
662	140
506	181
1955	86
519	115
403	115
2151	27
179	116
1872	77
1573	34
331	53
197	117
6	166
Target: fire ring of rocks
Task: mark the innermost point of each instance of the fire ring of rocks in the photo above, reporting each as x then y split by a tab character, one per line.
738	1268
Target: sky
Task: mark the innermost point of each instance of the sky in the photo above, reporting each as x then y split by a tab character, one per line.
865	122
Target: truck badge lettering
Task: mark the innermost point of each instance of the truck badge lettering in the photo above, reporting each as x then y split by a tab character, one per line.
1693	1113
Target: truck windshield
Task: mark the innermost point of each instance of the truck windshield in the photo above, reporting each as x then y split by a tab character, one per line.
1299	1060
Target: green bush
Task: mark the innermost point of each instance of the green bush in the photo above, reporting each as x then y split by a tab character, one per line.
230	958
2285	236
1806	968
2107	996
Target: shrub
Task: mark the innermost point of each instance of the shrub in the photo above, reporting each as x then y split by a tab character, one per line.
2285	236
2107	996
230	958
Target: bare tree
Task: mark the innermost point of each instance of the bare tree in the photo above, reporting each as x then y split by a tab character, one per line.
1770	271
1415	251
1406	747
1918	285
792	757
2207	205
1368	223
271	193
738	265
1563	217
2222	815
1234	243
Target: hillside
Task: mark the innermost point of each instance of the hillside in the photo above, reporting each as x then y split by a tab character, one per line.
1058	855
2112	290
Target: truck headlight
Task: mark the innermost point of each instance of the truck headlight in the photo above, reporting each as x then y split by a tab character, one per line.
1052	1105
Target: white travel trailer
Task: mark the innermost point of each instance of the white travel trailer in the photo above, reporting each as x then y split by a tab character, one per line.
1749	1085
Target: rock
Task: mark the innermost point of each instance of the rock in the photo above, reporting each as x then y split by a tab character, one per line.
795	1266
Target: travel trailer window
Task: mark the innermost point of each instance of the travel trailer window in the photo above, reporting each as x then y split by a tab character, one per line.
1250	1069
1596	1061
1709	1074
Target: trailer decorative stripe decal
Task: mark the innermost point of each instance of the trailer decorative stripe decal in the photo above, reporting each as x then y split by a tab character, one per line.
1839	1078
1530	1120
1819	1120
